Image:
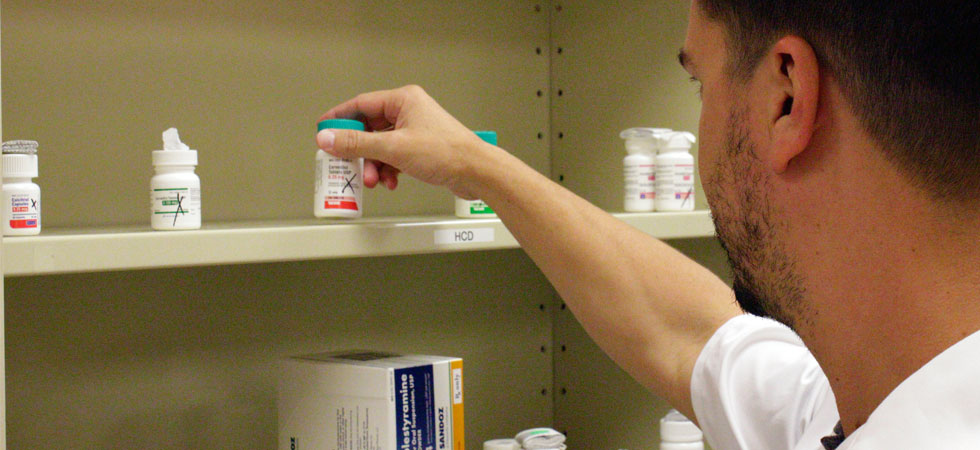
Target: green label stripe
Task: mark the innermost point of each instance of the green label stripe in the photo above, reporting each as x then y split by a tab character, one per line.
171	189
481	210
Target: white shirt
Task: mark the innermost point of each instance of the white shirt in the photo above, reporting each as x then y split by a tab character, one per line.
938	406
756	387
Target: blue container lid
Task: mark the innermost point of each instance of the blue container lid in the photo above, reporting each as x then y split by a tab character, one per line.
489	137
340	124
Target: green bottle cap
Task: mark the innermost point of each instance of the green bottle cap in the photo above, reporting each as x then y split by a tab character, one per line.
340	124
489	137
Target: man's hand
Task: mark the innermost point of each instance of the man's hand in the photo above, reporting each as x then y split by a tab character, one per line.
407	132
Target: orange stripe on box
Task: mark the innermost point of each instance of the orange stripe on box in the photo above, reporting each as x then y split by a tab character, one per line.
456	368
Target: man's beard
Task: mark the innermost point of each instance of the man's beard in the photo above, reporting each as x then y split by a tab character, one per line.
766	282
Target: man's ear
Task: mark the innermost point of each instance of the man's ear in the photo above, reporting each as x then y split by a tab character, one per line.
792	77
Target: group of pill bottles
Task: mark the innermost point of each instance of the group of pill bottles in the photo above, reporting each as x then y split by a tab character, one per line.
658	170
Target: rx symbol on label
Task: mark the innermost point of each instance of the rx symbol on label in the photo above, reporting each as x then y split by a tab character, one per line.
348	184
180	209
34	204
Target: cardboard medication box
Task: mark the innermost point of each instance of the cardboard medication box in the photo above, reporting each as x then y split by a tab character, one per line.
371	401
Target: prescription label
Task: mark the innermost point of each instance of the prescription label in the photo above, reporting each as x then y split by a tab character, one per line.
22	211
640	181
675	182
339	184
176	207
478	207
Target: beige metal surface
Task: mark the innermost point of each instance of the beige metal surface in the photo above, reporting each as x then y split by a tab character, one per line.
184	358
75	250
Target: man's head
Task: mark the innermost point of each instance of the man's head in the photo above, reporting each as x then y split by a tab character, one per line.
906	72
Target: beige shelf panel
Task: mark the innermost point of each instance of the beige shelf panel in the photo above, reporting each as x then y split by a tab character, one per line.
93	250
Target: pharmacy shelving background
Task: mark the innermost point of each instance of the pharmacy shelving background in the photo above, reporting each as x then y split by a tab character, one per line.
117	336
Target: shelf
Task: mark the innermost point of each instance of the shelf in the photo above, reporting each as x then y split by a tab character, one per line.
93	250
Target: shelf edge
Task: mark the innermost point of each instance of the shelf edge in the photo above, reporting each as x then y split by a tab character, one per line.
97	252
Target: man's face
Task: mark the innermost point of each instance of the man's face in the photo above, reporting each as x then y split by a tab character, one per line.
736	183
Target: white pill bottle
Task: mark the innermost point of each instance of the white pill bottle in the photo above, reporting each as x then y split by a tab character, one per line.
679	433
470	209
675	173
339	186
639	167
21	196
175	190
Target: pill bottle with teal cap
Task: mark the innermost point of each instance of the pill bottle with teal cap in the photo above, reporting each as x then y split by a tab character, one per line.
469	209
339	183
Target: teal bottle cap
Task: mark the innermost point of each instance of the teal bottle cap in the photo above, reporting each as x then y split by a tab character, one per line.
489	137
340	124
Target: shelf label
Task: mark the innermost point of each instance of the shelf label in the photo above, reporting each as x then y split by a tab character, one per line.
464	236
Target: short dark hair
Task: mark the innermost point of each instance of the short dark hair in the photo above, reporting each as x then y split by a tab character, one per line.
908	68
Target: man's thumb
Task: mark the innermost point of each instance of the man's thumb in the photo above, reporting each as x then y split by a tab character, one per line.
351	143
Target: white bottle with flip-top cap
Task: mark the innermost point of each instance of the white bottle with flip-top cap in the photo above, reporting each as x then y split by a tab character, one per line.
675	173
21	196
175	190
639	167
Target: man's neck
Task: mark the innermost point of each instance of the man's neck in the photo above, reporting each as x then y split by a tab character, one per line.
898	293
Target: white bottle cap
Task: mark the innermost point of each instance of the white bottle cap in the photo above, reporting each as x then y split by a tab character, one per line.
19	166
174	153
674	427
501	444
679	140
644	140
175	157
20	147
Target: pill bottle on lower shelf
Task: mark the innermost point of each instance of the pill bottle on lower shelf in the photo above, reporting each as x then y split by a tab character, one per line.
679	433
339	184
501	444
471	209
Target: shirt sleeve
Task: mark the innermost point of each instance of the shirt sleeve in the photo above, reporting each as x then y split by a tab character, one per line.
756	387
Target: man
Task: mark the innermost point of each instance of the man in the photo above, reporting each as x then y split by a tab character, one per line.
839	152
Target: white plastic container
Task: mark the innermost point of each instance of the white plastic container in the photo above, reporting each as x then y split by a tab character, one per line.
469	209
639	167
675	173
679	433
501	444
21	196
339	183
175	190
541	438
